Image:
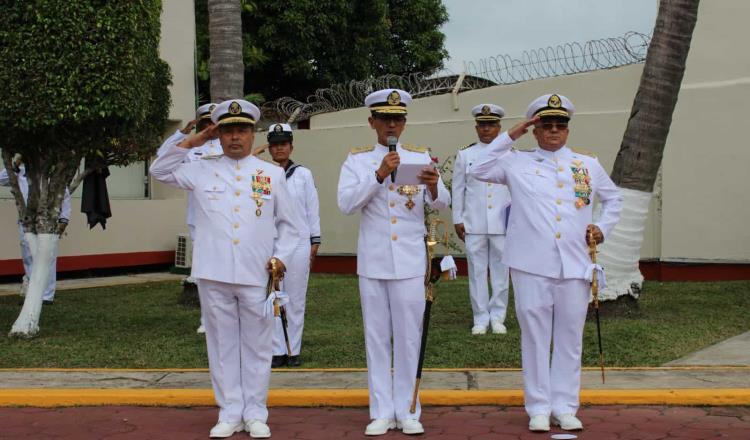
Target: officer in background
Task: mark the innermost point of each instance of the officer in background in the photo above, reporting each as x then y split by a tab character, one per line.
301	186
48	297
212	147
480	212
391	258
552	187
240	202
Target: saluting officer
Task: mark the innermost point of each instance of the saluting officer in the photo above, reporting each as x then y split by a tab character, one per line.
552	187
480	212
301	186
240	202
212	147
391	258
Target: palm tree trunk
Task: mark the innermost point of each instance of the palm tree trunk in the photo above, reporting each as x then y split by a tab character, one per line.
225	33
639	159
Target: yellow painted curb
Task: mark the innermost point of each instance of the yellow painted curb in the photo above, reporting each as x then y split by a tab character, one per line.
60	397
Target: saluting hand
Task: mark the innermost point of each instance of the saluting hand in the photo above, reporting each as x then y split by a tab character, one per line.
189	127
260	150
596	232
200	138
390	162
522	128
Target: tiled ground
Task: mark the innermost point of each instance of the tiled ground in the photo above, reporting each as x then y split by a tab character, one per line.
441	423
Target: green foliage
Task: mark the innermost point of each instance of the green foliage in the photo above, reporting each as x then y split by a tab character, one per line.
81	78
294	48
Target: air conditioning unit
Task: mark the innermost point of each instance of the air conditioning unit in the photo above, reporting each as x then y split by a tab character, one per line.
183	256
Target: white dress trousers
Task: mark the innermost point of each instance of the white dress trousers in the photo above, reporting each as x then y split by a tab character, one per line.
485	251
552	311
295	285
392	310
238	340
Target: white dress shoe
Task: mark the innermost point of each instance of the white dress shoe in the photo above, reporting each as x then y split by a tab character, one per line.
380	426
225	429
479	330
201	330
539	423
410	426
568	422
498	327
257	429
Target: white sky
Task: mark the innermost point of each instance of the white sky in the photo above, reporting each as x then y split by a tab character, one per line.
481	28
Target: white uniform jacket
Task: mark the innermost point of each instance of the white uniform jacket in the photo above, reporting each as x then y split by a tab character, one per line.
391	236
546	231
301	186
480	206
23	185
210	148
233	244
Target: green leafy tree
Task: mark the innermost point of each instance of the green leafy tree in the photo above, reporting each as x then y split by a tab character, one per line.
292	48
81	79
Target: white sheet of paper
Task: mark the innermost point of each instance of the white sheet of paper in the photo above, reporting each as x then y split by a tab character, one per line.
407	172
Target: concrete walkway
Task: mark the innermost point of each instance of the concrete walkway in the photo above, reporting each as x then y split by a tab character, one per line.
87	283
733	351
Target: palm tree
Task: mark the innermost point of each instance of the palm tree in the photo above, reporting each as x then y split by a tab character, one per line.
225	64
639	158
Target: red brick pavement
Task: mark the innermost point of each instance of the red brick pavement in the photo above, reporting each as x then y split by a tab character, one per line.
441	423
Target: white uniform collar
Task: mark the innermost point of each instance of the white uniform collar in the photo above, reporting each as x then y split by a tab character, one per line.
554	156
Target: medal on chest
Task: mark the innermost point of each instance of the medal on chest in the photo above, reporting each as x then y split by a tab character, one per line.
582	183
408	191
261	190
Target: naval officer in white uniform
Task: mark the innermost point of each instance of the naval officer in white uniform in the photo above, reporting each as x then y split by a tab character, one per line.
212	147
553	188
480	212
240	201
391	258
301	186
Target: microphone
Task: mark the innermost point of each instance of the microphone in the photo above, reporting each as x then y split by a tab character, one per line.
392	147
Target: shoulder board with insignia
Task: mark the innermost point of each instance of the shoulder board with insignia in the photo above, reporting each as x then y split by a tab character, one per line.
584	152
266	160
414	148
213	156
365	149
523	150
468	146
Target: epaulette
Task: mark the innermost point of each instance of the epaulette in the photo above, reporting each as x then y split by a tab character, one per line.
266	160
584	152
414	148
213	156
470	145
365	149
523	150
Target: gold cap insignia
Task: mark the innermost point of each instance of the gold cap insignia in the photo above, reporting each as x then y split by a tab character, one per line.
235	108
554	102
278	128
394	98
486	110
211	108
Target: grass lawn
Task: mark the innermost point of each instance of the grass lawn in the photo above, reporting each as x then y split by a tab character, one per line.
143	326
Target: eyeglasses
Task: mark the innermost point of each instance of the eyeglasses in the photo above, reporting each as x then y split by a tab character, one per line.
550	125
398	119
